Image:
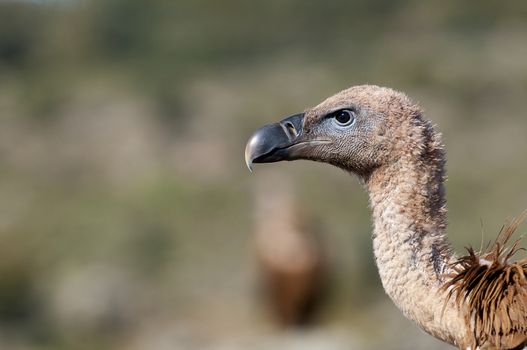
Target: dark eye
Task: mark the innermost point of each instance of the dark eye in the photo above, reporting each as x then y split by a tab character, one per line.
344	117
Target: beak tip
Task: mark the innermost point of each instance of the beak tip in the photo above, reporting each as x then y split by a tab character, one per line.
248	157
249	165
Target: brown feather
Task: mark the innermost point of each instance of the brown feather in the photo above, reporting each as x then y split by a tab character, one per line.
492	291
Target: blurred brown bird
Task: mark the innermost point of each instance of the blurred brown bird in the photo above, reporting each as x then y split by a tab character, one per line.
290	257
477	301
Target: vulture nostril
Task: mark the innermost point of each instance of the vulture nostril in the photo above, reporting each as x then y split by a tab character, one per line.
291	129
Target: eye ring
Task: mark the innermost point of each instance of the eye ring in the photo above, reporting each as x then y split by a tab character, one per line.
344	117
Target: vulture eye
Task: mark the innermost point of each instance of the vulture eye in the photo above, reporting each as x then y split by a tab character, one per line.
344	117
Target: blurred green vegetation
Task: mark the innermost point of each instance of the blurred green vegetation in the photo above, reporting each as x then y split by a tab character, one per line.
125	205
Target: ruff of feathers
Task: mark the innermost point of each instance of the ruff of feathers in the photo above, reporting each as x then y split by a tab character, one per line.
492	290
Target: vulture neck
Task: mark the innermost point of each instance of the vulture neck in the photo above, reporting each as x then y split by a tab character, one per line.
410	245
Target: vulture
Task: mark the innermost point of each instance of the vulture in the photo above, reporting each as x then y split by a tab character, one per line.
290	256
475	301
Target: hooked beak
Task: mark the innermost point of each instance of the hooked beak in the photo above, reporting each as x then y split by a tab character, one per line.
284	140
274	142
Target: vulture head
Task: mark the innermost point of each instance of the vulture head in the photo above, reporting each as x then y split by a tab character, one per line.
478	301
358	129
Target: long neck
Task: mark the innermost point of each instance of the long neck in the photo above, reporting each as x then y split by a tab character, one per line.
409	240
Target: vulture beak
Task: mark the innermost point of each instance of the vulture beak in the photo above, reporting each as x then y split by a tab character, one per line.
276	142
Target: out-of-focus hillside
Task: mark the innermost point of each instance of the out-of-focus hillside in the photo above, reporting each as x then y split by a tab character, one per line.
126	210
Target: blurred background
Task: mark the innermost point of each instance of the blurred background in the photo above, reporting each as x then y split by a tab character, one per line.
128	219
